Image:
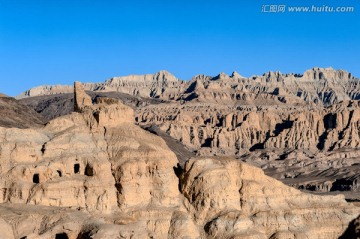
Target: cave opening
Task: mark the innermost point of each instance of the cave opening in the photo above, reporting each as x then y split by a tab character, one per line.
59	173
36	178
207	143
61	236
76	168
89	171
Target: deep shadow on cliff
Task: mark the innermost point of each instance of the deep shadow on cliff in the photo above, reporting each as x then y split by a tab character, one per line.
353	231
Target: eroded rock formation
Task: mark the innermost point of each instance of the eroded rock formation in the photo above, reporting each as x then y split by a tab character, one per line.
232	130
300	128
319	86
235	200
81	99
95	174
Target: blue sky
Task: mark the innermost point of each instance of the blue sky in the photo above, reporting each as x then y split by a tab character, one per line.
57	42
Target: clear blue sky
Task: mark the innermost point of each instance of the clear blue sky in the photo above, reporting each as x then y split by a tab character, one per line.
59	41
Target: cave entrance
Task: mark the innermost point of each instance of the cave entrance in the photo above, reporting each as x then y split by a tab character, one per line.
36	178
76	168
59	173
61	236
207	143
89	171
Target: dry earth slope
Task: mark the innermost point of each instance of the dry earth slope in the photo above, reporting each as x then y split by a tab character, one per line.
15	114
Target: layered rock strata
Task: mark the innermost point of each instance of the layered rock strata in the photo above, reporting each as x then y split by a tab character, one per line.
318	86
95	174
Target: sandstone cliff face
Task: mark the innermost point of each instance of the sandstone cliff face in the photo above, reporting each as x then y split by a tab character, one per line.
273	117
95	174
98	162
54	89
289	142
234	200
46	90
159	85
231	130
81	99
233	115
319	86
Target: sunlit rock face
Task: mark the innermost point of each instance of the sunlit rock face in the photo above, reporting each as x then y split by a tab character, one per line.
95	174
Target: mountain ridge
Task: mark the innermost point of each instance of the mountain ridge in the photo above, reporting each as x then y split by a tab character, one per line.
321	86
94	173
293	126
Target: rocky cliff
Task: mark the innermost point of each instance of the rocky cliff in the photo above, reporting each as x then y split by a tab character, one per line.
319	86
95	174
233	130
300	128
159	85
294	144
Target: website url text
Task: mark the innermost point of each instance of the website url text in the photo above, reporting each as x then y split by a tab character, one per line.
313	8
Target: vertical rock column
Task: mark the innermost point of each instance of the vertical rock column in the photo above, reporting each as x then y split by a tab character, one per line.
81	99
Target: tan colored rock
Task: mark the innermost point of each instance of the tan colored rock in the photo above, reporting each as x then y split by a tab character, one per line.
47	90
275	112
81	99
113	115
319	86
94	173
101	165
6	230
143	166
234	200
325	141
233	131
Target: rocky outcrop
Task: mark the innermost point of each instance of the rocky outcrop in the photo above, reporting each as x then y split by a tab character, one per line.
236	130
54	90
272	116
319	86
234	200
46	90
81	99
159	85
97	162
95	174
328	74
294	144
225	115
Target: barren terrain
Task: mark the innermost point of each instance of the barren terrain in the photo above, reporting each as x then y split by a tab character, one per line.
302	129
153	156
